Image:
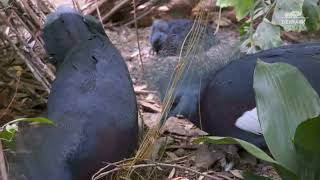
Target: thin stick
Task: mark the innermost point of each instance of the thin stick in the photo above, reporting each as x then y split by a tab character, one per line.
115	9
140	16
76	5
31	13
37	61
111	164
156	164
12	100
36	73
219	20
3	170
137	32
98	12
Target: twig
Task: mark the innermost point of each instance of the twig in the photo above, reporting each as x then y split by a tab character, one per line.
14	96
31	13
87	6
139	17
37	60
51	5
251	30
137	32
111	164
179	159
36	73
115	9
157	164
4	174
98	12
4	43
219	20
30	31
93	9
76	5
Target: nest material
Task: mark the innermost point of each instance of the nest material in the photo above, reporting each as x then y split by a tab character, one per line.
24	75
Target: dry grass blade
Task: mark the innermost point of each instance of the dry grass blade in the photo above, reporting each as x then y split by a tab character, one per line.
189	49
22	47
137	32
13	98
35	64
152	165
35	71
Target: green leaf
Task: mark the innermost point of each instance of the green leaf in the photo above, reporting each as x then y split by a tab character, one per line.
9	130
267	35
306	141
252	149
284	173
250	176
288	14
311	12
7	134
241	7
243	29
284	99
42	120
307	135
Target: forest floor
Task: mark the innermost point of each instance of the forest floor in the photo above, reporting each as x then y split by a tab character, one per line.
175	142
180	132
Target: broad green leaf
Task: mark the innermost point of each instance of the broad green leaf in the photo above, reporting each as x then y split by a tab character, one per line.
307	135
311	12
250	176
252	149
241	7
288	14
284	173
284	99
267	35
306	141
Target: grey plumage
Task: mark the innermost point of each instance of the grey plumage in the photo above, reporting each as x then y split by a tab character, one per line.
199	67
